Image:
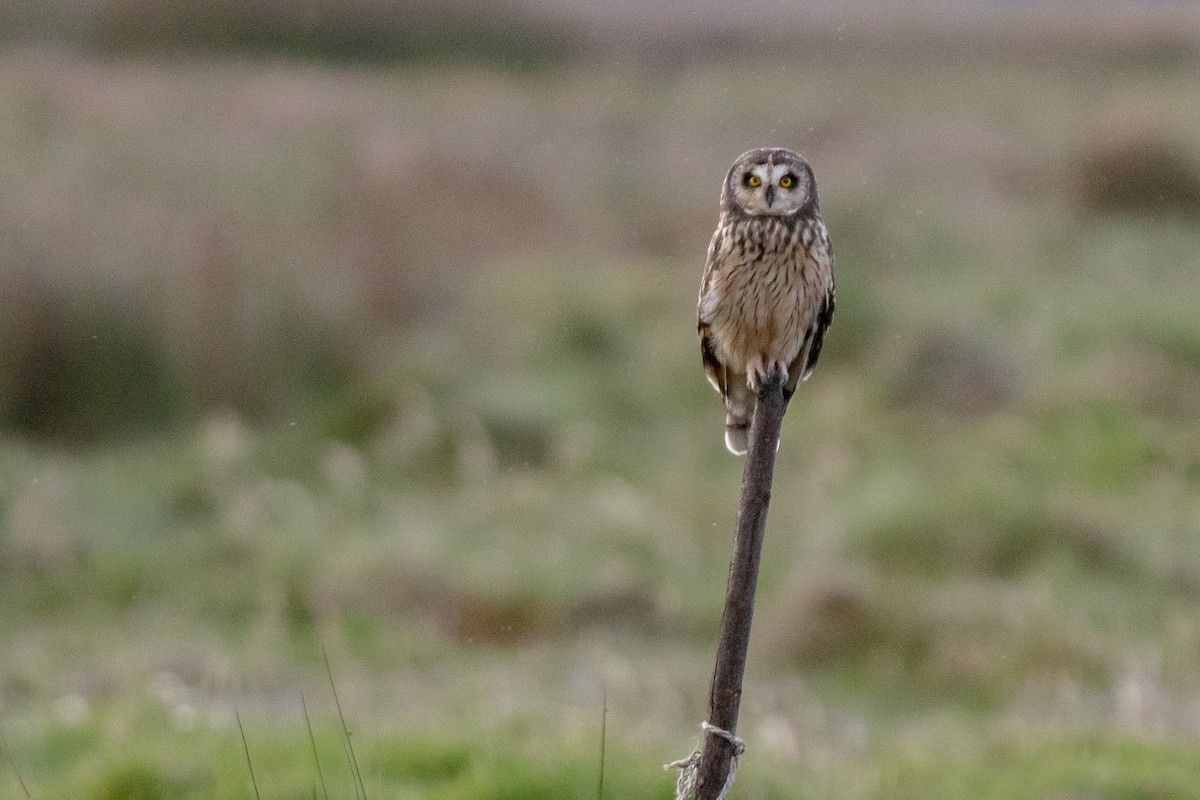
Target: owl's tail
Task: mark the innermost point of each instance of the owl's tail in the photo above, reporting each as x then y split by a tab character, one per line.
739	403
737	434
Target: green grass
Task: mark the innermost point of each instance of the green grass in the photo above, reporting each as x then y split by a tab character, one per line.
485	473
946	758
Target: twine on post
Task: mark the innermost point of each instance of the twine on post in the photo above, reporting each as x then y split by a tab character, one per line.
689	768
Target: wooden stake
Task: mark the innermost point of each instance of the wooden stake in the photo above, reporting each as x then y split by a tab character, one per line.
725	693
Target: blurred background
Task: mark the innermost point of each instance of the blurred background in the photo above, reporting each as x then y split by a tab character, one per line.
367	329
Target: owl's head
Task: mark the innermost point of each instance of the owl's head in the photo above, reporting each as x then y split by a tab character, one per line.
769	180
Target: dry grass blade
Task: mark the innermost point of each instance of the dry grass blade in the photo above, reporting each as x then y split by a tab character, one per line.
246	750
12	762
360	790
603	740
312	740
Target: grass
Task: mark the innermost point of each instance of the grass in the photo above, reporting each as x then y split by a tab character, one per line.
257	402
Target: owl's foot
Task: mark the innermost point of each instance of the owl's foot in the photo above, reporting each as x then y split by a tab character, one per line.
763	377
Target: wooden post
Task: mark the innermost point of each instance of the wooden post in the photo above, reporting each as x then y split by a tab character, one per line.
725	693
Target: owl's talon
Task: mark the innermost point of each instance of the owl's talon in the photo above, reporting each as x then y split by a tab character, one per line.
762	378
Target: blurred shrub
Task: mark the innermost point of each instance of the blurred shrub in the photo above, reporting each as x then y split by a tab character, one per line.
1145	172
1002	542
972	640
953	372
421	759
78	369
72	371
1178	340
501	617
843	621
354	32
137	782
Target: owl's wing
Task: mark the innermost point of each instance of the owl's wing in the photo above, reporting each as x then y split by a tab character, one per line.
802	367
713	367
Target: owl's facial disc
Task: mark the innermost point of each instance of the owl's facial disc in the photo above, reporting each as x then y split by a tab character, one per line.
769	188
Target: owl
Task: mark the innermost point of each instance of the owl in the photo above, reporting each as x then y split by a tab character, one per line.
767	295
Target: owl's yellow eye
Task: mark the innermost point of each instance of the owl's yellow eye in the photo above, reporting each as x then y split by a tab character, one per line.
752	180
787	181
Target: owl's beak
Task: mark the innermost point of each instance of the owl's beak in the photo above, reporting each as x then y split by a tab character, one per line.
770	192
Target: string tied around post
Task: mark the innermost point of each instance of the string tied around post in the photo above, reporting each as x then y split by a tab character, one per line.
689	768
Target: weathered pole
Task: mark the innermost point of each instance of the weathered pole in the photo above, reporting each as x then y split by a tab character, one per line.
715	770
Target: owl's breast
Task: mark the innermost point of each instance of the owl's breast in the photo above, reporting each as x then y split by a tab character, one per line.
762	300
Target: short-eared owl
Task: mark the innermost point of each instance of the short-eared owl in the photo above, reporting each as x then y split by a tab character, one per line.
767	295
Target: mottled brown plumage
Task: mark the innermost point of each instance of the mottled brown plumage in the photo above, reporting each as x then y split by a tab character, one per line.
767	295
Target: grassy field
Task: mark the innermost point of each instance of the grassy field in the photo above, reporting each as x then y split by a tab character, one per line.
397	363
